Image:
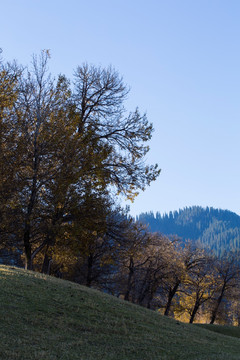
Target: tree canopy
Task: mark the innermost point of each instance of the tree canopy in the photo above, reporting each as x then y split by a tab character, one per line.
67	149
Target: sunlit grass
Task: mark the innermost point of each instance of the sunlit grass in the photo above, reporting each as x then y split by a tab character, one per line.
47	318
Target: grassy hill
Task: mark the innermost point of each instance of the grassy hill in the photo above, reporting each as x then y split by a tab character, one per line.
44	318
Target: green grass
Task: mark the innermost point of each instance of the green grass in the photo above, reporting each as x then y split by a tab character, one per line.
233	331
43	318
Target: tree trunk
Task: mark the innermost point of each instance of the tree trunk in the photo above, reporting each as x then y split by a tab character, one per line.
89	270
27	247
49	241
171	294
215	310
150	299
129	283
145	288
46	267
27	225
194	312
143	294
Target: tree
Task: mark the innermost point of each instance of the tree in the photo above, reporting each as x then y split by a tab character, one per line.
72	147
130	257
10	158
198	287
99	96
155	271
227	270
44	139
177	270
91	242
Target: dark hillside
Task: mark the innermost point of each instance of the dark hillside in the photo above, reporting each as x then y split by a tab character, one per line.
216	229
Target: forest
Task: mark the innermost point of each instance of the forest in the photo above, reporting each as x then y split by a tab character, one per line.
214	229
68	151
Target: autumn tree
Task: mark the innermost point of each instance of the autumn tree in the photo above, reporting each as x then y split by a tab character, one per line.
177	270
199	283
92	242
130	242
10	158
141	263
227	278
185	258
44	132
155	270
73	145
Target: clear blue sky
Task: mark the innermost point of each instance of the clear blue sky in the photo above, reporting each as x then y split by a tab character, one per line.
181	59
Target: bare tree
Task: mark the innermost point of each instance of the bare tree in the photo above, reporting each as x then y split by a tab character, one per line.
227	278
99	96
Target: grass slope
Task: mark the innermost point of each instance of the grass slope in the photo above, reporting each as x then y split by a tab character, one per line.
43	318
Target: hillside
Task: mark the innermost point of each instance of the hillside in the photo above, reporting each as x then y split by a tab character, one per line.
215	229
44	318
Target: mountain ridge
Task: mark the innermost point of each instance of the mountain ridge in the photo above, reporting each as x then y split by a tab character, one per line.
215	229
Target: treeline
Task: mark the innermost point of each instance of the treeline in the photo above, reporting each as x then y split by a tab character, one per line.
178	279
214	229
149	269
160	273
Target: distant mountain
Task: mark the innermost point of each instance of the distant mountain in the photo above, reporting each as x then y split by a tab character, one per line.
215	229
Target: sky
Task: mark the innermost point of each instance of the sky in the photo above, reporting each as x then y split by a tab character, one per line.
181	59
